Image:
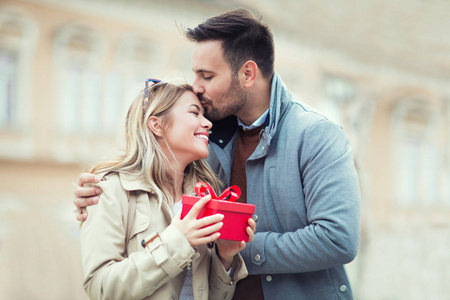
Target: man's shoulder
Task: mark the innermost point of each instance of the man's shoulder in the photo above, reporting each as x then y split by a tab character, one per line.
303	116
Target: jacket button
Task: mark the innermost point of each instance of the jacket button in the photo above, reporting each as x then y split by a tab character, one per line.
343	288
257	257
262	147
269	278
255	218
221	141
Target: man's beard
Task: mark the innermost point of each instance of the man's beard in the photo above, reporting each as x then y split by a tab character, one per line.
235	98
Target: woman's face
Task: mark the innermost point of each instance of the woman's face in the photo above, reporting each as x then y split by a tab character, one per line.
187	133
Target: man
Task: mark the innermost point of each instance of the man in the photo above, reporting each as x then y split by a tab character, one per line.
292	163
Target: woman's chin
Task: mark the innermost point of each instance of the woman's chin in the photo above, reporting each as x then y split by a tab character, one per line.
204	155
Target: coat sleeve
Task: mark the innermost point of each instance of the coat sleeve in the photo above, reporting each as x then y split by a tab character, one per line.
107	273
332	203
222	285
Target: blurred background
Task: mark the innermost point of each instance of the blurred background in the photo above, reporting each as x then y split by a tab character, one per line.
69	70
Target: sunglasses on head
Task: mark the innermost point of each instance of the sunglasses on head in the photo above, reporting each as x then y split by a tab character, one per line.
148	84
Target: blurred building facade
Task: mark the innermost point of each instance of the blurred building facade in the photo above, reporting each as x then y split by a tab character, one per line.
69	70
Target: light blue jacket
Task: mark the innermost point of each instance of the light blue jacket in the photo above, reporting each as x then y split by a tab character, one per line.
303	181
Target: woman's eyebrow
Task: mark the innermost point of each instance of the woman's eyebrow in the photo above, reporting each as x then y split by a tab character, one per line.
198	107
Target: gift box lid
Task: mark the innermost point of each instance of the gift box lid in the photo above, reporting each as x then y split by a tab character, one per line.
222	205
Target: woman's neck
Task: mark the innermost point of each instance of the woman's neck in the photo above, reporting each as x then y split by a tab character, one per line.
177	172
178	179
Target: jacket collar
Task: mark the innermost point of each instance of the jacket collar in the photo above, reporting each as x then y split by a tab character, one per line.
132	182
279	97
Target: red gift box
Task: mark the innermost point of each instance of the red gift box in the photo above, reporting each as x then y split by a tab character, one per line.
236	214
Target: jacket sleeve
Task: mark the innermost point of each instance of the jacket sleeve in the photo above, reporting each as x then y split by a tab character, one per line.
221	284
332	203
107	273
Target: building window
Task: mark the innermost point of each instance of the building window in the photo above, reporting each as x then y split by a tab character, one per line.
138	59
17	42
417	131
338	92
78	59
8	88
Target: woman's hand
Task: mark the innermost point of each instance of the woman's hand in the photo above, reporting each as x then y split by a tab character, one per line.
228	249
201	231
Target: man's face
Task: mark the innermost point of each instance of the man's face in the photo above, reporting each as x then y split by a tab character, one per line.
218	90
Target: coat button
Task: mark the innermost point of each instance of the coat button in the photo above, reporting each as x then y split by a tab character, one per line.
255	218
269	278
221	141
257	257
343	288
262	148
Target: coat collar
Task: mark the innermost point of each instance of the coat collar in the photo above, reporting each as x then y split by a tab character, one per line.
132	182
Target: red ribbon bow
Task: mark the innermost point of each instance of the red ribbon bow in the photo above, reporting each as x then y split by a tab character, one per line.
233	192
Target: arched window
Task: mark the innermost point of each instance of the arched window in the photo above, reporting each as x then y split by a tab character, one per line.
17	43
79	55
338	91
417	131
137	60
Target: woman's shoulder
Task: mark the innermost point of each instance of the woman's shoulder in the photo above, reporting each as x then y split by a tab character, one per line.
111	185
109	179
125	181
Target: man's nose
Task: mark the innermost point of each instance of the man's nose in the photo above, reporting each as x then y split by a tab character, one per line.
198	88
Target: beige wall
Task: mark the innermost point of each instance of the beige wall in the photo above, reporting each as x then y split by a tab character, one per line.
39	249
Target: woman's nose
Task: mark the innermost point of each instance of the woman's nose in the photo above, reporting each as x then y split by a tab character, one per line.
206	123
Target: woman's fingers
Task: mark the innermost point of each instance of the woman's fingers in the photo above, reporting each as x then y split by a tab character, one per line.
208	220
251	234
206	239
204	231
252	224
197	207
251	229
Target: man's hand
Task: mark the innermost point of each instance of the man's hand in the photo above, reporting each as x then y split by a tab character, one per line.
228	248
86	196
203	230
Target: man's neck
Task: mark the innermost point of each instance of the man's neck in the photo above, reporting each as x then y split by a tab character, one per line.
257	105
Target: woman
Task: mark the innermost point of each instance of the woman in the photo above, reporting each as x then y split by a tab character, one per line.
134	244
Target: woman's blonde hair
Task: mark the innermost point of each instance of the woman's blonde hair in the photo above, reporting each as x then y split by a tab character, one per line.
143	155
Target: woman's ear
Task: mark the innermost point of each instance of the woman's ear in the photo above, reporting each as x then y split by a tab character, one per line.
154	125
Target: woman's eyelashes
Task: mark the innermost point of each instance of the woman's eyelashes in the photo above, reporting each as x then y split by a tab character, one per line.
195	112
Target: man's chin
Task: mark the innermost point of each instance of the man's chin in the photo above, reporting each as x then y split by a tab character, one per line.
213	115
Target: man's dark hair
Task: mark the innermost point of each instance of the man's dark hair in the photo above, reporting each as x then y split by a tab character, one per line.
243	38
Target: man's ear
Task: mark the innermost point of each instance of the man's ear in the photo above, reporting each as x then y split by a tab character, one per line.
154	125
249	73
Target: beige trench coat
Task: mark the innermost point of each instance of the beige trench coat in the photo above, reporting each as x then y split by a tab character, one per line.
154	272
